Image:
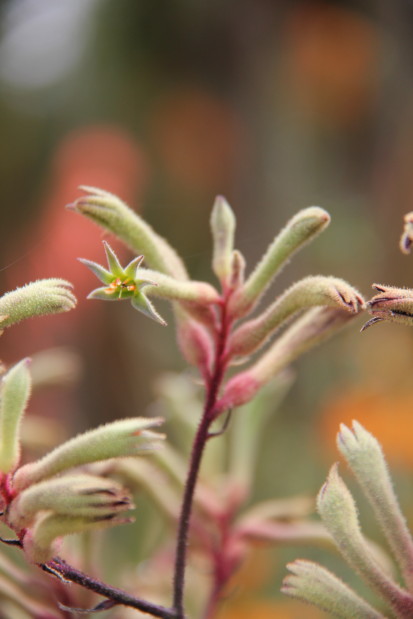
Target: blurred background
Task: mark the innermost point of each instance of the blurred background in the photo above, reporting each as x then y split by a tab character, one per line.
277	105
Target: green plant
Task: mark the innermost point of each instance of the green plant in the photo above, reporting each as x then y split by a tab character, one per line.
315	584
45	500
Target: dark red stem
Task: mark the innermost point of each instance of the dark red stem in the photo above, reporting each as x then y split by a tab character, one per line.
68	572
198	447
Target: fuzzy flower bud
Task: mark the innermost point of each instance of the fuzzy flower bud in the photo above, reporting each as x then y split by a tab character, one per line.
42	541
308	292
392	304
108	211
365	458
301	229
45	296
338	511
82	495
314	327
127	437
223	228
314	584
15	393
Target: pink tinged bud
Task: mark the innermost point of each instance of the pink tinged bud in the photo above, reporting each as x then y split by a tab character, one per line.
127	437
223	224
238	391
195	343
108	211
314	327
45	296
82	495
42	541
15	393
391	304
315	585
407	236
338	511
302	228
308	292
365	458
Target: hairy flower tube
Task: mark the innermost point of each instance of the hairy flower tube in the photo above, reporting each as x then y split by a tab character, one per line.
45	296
339	515
198	305
43	500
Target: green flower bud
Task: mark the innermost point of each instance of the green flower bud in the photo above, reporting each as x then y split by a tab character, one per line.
301	229
45	296
223	224
127	437
308	292
111	213
15	393
315	585
339	514
82	495
314	327
41	542
365	458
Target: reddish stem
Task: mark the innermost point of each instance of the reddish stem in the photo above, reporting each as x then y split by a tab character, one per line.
198	447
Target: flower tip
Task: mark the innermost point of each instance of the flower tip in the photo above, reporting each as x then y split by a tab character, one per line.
318	213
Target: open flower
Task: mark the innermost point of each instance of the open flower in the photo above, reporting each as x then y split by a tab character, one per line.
122	283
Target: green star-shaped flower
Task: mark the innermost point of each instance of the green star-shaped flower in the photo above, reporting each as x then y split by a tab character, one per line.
122	283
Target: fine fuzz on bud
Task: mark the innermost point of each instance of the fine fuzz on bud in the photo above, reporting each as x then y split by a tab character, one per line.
391	304
45	296
314	584
42	541
127	437
314	327
302	228
223	229
308	292
338	511
87	496
15	393
108	211
365	458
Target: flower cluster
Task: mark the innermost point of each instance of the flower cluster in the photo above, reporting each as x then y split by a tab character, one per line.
326	303
43	501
